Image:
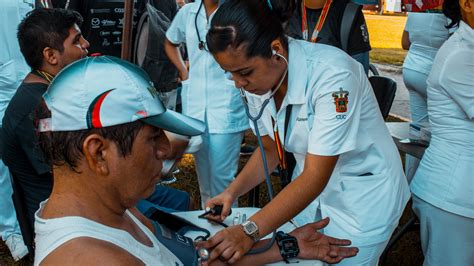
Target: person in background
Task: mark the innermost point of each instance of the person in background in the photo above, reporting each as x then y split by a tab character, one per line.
209	96
443	186
423	35
308	15
347	165
13	70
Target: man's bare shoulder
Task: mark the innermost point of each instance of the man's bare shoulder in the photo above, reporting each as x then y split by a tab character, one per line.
89	251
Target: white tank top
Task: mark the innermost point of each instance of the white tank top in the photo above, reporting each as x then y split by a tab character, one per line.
52	233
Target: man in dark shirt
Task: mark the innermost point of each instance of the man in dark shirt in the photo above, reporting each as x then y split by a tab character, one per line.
49	40
358	44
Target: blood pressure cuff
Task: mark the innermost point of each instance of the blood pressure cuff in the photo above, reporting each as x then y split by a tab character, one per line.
170	230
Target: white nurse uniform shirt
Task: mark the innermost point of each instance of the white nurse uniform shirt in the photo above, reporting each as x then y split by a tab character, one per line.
445	176
335	112
207	94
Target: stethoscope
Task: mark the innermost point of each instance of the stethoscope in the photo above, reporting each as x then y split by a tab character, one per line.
201	43
254	120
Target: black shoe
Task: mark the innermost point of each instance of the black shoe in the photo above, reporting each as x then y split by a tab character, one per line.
246	149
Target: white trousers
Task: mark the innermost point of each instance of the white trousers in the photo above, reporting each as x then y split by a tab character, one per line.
368	255
8	221
446	238
217	163
9	81
416	84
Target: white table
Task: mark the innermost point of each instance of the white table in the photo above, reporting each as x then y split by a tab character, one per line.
214	228
400	130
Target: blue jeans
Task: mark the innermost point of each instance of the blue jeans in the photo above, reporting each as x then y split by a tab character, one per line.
166	199
8	221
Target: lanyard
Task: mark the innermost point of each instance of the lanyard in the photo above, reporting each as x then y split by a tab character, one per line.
319	25
48	77
279	146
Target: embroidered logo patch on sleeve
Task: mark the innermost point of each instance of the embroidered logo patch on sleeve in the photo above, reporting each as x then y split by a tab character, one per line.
341	100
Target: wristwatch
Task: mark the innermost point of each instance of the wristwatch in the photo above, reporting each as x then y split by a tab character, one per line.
251	229
288	246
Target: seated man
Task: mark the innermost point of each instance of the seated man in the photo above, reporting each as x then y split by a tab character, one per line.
102	129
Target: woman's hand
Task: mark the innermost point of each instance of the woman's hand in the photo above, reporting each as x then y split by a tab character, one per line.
228	245
315	245
225	199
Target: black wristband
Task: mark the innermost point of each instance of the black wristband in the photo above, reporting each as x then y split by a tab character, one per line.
288	246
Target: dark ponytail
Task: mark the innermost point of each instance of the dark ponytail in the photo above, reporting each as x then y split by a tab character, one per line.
283	9
253	23
452	10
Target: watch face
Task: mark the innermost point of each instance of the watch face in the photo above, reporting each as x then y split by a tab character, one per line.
250	228
290	248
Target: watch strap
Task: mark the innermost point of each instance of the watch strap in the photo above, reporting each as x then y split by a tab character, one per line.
281	237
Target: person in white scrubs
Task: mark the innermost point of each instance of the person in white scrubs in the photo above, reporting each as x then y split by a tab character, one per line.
423	35
443	186
13	69
209	96
347	165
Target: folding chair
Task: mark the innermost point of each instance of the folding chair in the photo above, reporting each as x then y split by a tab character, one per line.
384	89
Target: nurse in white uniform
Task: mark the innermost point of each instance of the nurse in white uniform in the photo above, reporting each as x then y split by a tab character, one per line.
443	186
423	35
209	96
348	168
13	70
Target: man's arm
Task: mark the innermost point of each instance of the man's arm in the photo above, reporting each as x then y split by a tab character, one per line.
406	40
312	245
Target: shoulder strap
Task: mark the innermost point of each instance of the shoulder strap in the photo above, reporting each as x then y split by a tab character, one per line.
348	20
287	119
140	29
289	157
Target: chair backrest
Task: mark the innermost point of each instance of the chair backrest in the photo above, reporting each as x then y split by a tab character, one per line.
27	230
384	89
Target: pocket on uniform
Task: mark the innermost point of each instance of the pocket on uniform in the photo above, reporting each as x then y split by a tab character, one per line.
366	200
461	187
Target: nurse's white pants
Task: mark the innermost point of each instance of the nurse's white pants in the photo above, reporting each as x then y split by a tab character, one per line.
416	84
217	163
368	255
446	238
8	222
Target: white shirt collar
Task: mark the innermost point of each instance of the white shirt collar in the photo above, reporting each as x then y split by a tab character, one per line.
297	73
466	32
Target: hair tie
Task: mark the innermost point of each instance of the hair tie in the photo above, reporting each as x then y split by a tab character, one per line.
269	2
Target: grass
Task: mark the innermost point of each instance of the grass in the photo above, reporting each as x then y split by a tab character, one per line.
385	34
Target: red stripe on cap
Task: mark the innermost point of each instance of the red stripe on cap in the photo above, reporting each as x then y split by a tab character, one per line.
96	123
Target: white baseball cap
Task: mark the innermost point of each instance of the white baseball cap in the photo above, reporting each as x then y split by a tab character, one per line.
103	91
